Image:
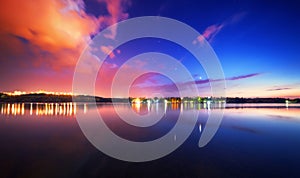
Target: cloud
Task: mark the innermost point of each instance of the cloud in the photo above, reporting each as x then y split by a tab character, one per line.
243	76
116	9
278	89
51	33
41	41
171	87
49	26
211	31
108	50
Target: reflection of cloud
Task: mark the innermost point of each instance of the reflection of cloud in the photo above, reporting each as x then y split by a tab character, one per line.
280	116
245	129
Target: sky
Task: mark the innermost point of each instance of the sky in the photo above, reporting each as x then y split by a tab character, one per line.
257	44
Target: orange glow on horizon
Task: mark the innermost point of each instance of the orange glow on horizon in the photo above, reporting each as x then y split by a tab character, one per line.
18	93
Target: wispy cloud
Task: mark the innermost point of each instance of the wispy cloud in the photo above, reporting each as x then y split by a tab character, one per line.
116	9
171	87
211	31
278	89
108	50
243	76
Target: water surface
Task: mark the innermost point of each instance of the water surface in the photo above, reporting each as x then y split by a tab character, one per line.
45	140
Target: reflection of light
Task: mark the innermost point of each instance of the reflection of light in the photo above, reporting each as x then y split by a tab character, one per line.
68	108
200	128
137	106
64	109
8	109
39	109
71	109
56	108
136	103
13	108
19	108
174	106
23	109
286	103
46	109
52	109
84	108
75	108
166	104
181	108
30	109
60	110
208	105
148	105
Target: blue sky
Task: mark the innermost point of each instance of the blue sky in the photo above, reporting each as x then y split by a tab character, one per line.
257	42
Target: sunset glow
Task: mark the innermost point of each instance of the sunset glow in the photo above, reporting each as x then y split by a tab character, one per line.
18	93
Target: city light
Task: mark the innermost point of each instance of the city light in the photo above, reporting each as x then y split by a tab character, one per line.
18	93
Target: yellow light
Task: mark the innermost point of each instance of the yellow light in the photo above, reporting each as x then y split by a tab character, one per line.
60	110
84	108
64	109
13	108
8	109
68	109
23	109
75	108
37	109
30	112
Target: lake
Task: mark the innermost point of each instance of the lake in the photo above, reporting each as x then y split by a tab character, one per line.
253	140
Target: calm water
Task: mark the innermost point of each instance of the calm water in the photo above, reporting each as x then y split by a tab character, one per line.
44	140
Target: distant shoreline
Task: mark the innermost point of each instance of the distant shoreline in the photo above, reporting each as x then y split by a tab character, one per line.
50	98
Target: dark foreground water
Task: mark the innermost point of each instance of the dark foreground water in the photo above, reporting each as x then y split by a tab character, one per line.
45	140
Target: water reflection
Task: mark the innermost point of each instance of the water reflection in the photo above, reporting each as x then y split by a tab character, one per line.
267	133
70	108
144	108
51	109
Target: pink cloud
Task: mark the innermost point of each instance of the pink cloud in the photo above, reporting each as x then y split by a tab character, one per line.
60	29
108	50
116	10
211	31
48	36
